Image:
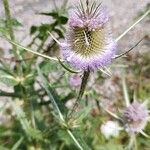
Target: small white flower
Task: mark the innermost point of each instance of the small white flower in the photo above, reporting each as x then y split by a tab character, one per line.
110	129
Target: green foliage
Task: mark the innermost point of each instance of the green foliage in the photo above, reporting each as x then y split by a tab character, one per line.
146	9
57	26
3	24
7	79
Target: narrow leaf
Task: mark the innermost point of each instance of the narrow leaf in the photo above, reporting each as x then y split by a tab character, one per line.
7	79
16	146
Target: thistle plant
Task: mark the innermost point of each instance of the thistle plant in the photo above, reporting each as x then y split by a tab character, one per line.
40	116
88	42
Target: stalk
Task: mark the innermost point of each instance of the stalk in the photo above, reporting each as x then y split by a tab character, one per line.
81	91
132	26
10	26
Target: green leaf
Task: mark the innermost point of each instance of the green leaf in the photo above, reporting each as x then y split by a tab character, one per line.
17	144
6	68
63	19
3	28
79	137
29	79
144	142
3	31
7	79
82	114
30	132
33	30
47	66
44	28
52	14
57	104
16	23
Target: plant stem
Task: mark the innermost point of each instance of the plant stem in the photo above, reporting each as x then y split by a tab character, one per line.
82	90
9	26
83	84
74	139
125	91
133	143
31	51
132	26
118	56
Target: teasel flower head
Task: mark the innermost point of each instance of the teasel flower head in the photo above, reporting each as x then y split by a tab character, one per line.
135	117
88	42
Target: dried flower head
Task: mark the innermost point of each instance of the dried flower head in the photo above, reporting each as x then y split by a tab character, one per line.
135	117
88	44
